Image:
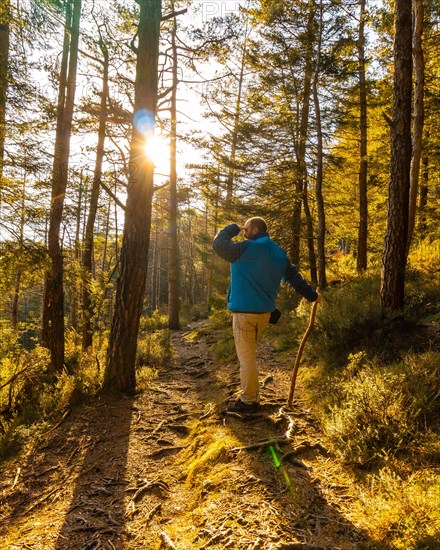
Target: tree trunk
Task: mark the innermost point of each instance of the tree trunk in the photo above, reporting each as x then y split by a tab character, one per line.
310	238
394	257
87	257
322	277
120	370
77	259
173	248
16	295
5	15
423	199
301	168
53	318
234	141
419	113
361	259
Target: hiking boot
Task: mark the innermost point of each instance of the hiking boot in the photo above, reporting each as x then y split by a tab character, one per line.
240	407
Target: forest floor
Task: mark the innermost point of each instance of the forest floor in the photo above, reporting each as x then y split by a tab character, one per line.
169	468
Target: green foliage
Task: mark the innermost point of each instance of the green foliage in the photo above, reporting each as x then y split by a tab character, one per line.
154	346
30	398
374	412
348	318
405	510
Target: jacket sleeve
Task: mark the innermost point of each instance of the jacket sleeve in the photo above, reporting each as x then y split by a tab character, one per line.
225	248
294	279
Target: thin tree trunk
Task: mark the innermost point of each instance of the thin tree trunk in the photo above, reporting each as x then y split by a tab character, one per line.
54	292
16	295
322	277
234	141
419	114
87	257
301	168
423	199
47	322
5	15
361	259
104	250
394	258
120	370
173	247
310	238
77	259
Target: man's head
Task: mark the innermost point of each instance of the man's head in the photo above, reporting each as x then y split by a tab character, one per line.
253	226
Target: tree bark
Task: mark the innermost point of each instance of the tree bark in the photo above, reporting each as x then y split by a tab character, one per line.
301	168
419	113
394	257
17	285
173	247
322	277
361	259
310	238
234	141
423	199
5	15
120	373
87	256
77	259
53	317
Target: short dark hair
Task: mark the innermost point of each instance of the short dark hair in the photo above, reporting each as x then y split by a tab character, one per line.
259	223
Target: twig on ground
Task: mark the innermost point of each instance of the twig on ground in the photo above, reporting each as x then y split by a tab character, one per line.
208	413
167	541
158	427
260	444
153	511
17	475
216	538
142	488
63	418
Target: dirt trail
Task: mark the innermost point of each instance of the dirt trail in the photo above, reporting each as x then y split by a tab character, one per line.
169	469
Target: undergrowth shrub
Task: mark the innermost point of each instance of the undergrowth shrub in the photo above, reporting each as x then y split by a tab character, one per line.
401	512
30	396
375	411
154	345
348	317
350	320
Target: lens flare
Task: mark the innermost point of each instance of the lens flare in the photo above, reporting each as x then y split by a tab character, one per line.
143	120
277	463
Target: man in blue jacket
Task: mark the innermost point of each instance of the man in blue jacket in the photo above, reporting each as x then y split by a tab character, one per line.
258	265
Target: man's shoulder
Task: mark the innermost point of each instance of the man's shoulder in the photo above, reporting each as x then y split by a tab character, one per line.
265	248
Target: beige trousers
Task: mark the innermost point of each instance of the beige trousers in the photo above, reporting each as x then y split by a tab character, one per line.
247	329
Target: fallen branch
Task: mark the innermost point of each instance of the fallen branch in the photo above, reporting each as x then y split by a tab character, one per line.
260	444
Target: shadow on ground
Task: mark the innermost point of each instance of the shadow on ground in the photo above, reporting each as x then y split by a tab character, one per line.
278	500
71	490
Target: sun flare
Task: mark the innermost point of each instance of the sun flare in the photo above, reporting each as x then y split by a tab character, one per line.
157	150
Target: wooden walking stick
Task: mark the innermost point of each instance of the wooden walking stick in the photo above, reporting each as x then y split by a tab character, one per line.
300	350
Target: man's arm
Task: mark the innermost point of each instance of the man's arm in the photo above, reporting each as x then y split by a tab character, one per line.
225	248
294	279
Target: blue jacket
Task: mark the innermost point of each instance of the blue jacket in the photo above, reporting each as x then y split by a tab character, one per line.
258	265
